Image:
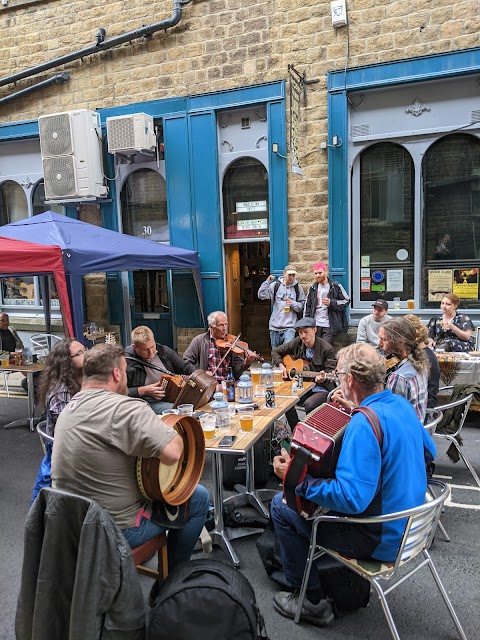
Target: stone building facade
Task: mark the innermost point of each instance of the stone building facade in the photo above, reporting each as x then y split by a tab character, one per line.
223	47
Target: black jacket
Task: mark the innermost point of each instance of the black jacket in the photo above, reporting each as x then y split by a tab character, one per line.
337	308
324	358
79	580
136	371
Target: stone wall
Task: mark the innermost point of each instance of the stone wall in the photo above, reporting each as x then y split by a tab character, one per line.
221	44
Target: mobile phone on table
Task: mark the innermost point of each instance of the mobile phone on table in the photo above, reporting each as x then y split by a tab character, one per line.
227	441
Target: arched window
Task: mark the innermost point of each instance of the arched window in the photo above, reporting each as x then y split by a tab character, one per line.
386	221
38	201
245	200
13	202
144	206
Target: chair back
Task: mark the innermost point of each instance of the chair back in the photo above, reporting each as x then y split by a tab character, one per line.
43	343
432	419
464	403
421	525
43	435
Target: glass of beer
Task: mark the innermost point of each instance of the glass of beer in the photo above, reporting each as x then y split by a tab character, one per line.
286	308
255	376
246	419
207	422
411	304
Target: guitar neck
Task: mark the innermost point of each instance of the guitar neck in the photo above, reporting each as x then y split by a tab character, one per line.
311	375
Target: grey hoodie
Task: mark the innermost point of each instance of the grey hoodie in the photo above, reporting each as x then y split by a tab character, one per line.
279	320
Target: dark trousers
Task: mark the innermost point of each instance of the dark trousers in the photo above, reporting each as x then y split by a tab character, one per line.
293	533
310	401
325	334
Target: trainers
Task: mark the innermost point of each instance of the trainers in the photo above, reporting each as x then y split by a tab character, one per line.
320	614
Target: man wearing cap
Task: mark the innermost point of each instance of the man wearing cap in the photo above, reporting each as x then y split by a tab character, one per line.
369	326
287	298
320	357
327	302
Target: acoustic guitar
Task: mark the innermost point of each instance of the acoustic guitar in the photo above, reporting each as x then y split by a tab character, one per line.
24	289
303	366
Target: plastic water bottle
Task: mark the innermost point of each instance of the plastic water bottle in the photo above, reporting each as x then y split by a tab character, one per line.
27	357
93	329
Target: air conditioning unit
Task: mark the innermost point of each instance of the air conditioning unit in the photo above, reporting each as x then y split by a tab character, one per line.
131	134
71	148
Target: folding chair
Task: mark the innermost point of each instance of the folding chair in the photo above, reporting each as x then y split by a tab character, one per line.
421	523
432	419
461	407
43	343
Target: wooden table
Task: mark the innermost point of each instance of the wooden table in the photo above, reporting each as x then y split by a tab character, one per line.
262	421
466	371
28	370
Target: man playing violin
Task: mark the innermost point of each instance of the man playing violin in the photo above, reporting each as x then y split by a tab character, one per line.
147	361
318	354
205	353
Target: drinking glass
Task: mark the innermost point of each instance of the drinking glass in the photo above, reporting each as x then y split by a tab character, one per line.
185	409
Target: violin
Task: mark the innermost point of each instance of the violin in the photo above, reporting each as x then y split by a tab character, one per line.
236	346
391	362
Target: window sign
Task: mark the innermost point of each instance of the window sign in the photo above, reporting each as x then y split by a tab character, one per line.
439	283
248	225
247	207
395	280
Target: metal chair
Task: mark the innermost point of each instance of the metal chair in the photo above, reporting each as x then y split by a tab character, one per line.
43	343
432	419
43	435
421	523
463	406
5	382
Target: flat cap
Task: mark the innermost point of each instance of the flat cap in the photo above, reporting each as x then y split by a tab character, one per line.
305	323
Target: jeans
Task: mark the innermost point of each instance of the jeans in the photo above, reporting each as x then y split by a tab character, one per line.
180	542
44	478
293	533
280	337
160	405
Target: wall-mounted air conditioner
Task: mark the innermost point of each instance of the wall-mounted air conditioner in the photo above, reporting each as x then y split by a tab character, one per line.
71	148
131	134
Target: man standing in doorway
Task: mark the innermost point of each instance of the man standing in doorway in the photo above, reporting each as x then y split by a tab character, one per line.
369	326
327	302
288	299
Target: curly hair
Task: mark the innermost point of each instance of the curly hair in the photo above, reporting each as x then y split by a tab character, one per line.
420	329
402	333
59	369
365	364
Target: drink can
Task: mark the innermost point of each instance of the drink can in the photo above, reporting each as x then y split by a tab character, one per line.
299	379
269	398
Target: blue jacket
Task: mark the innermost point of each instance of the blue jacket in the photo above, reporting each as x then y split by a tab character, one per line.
368	482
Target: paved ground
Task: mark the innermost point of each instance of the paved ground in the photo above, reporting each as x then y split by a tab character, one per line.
416	606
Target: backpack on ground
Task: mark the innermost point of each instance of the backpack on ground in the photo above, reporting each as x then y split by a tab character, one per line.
346	589
234	467
205	599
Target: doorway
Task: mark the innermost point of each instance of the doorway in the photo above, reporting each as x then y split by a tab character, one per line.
247	265
150	303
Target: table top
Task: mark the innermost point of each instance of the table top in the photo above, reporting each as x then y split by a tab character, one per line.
263	418
23	368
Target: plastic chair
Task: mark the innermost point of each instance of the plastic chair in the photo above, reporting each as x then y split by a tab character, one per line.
464	404
418	535
43	343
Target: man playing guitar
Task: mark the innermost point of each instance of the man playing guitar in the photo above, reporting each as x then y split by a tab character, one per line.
317	355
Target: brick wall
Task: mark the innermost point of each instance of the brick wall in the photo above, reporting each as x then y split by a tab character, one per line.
222	44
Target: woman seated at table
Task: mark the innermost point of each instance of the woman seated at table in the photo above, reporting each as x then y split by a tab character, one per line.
434	372
452	331
61	379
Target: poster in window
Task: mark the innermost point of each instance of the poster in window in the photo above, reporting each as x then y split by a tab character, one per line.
465	283
365	285
395	280
439	283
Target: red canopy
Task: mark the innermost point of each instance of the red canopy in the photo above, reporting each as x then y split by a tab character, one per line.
26	258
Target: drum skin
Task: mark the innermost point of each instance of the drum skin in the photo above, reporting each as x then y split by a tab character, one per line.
174	484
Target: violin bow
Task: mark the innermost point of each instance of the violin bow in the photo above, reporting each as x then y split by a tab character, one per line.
227	352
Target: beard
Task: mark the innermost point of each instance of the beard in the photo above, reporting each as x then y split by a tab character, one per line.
123	388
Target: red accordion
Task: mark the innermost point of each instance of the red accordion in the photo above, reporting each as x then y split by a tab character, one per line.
316	445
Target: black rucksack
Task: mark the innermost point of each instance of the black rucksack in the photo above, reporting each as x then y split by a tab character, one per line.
205	599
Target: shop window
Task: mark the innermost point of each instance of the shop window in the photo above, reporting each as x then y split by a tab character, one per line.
386	222
245	200
144	206
13	202
18	292
38	201
451	196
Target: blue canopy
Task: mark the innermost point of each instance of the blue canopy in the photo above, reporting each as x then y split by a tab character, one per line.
87	248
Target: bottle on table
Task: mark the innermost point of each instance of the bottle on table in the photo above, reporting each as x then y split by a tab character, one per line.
230	386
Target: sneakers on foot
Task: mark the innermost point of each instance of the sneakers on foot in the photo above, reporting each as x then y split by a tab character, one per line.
320	614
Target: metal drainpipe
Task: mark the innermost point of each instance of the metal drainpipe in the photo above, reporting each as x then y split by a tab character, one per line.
58	79
102	46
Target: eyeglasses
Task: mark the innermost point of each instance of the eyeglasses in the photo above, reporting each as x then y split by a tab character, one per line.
79	353
340	373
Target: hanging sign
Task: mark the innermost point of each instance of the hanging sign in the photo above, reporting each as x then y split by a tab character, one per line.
295	93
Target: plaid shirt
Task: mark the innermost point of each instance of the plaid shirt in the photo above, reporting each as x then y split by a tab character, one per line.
214	357
407	382
56	401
